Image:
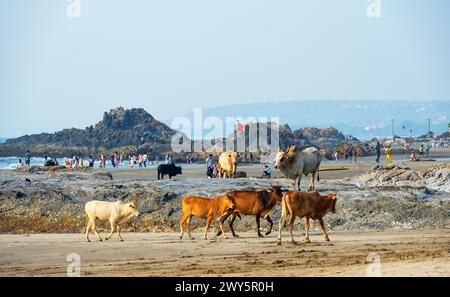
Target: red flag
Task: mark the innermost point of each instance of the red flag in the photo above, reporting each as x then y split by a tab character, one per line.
240	127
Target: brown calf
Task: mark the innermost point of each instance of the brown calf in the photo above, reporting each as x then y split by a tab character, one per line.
205	208
308	205
256	203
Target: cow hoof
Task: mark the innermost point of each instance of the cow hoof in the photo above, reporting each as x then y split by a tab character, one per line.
235	235
268	232
279	242
106	238
100	239
307	241
327	239
260	235
87	240
181	237
292	242
120	239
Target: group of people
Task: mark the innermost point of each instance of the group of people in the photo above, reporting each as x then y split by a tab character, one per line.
423	150
212	167
387	152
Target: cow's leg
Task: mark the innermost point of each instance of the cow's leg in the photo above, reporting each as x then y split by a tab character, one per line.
158	174
268	219
323	229
88	227
281	223
311	183
223	218
230	223
221	228
257	217
118	233
182	221
113	228
189	226
208	223
299	181
291	226
170	176
307	230
94	229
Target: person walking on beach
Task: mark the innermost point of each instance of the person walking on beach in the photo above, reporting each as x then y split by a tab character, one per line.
378	149
27	158
336	154
145	159
117	158
91	162
387	151
355	155
131	159
421	150
113	160
209	166
140	160
427	150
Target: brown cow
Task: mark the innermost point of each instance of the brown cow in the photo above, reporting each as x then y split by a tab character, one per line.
256	203
308	205
205	208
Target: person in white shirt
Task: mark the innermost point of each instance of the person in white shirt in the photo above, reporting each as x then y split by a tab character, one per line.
145	159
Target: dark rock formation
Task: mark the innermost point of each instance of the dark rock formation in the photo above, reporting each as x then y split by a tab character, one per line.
119	128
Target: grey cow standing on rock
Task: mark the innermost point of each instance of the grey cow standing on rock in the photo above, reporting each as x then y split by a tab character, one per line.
293	163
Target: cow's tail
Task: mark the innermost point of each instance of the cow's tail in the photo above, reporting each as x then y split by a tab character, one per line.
318	175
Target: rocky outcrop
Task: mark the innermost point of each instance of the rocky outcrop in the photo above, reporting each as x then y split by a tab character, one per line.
41	200
435	178
119	128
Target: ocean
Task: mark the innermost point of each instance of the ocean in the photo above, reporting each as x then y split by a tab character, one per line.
11	162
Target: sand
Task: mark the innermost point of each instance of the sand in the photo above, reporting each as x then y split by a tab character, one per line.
401	253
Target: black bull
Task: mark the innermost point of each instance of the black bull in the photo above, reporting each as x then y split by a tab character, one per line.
169	169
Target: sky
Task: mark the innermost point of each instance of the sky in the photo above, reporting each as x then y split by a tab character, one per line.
171	56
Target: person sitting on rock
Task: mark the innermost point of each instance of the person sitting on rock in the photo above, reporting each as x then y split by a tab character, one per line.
266	172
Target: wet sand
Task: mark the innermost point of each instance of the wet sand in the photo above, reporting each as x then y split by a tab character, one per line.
402	253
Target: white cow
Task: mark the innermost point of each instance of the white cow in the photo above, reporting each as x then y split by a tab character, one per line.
293	163
228	164
115	212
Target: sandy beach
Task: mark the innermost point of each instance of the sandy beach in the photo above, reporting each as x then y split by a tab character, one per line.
402	253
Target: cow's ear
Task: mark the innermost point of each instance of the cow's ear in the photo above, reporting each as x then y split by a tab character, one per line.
292	149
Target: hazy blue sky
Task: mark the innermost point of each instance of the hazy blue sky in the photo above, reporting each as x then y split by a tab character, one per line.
169	56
